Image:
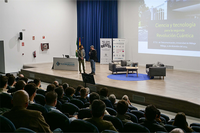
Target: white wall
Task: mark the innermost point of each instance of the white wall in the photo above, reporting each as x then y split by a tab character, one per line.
128	29
54	19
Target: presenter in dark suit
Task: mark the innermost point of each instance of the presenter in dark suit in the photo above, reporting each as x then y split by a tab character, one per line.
93	58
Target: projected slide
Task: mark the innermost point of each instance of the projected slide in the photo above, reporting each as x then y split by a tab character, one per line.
169	27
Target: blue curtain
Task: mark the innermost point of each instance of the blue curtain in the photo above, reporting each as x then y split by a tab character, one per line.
96	19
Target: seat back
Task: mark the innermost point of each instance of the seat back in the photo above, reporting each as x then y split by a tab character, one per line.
40	91
111	111
133	117
108	131
69	108
37	107
77	102
84	113
195	124
23	129
5	101
115	121
137	113
87	105
6	125
165	116
134	127
57	120
82	126
196	128
40	99
169	127
132	108
107	102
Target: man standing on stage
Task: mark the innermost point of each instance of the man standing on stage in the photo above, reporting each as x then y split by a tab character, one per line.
93	58
81	56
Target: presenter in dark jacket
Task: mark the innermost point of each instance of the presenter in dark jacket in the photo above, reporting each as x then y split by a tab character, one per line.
93	58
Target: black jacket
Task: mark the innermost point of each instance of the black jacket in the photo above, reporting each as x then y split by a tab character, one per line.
93	55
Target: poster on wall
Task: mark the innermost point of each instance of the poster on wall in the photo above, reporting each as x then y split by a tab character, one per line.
118	49
106	50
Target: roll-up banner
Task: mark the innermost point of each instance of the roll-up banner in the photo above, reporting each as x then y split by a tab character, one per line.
106	50
118	49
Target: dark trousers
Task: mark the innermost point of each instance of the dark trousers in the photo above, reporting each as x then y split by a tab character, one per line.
81	62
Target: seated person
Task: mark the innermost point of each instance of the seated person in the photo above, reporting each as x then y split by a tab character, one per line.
83	95
31	90
56	83
51	87
24	79
98	109
11	82
69	92
22	117
51	101
158	118
77	92
94	96
125	97
3	84
65	86
150	122
18	86
37	82
112	99
59	90
180	122
122	107
20	76
104	97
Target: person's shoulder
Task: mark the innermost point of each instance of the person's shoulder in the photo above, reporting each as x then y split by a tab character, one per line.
107	122
33	112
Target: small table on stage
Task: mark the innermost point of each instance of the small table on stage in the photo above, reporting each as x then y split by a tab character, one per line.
131	69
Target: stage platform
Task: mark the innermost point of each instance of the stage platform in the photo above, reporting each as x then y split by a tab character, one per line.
179	91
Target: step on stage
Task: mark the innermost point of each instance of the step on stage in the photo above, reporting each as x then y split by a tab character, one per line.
179	91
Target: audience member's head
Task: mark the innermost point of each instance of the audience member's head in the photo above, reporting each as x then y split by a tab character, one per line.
103	92
150	112
20	85
112	98
65	86
51	98
24	79
51	87
158	113
125	97
8	75
11	80
122	107
83	92
180	120
93	96
78	89
37	82
31	90
70	91
20	99
3	82
98	108
59	90
88	90
177	130
21	75
56	83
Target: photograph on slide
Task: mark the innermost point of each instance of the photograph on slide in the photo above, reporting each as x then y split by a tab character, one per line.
169	27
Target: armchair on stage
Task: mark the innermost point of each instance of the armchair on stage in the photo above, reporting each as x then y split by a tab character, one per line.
159	70
120	65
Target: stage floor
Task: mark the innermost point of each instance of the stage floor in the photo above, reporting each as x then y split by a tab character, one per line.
183	85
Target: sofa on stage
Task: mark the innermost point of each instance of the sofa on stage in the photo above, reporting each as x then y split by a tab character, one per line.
156	70
120	65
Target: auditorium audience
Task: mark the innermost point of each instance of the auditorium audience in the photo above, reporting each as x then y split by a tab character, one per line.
122	107
177	130
150	122
56	83
158	118
60	92
125	97
11	82
65	86
104	97
83	95
51	87
112	99
20	85
20	76
22	117
37	82
3	84
24	79
94	96
31	90
69	92
98	109
180	122
77	92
